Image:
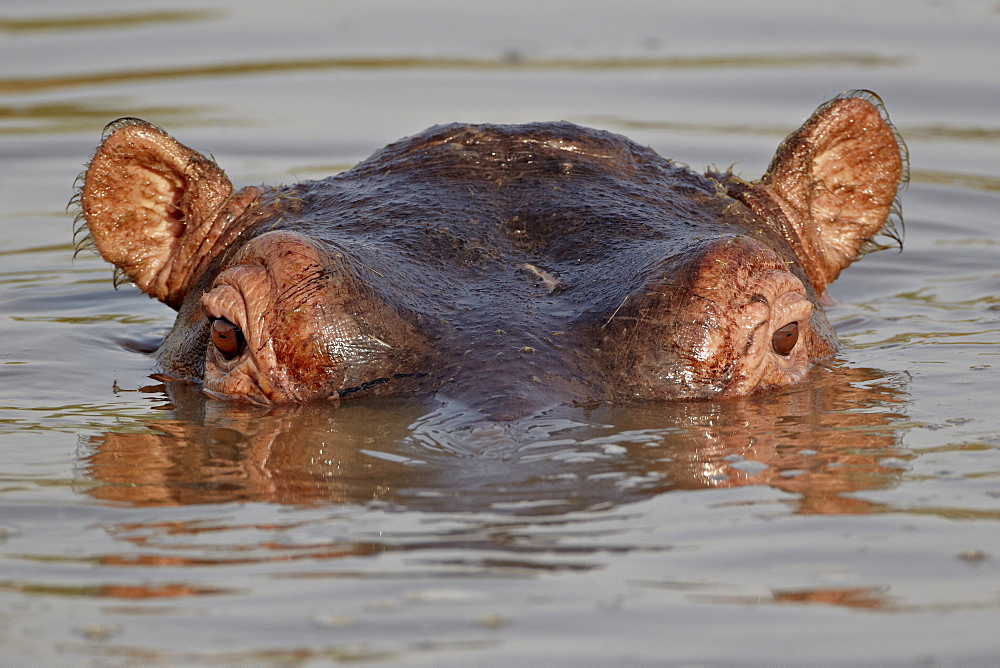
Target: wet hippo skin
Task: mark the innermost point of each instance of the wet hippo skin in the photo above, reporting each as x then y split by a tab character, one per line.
509	267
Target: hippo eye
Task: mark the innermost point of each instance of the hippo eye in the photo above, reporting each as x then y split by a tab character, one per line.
784	339
227	338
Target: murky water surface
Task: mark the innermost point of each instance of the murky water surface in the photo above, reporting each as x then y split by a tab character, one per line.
854	519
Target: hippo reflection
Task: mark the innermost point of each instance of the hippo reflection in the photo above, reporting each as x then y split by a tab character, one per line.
513	268
822	443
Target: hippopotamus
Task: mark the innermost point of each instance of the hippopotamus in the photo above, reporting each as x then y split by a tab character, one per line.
508	267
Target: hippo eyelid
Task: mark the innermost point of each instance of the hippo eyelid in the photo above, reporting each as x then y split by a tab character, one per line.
759	299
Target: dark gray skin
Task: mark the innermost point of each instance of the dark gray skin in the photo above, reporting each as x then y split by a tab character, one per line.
512	268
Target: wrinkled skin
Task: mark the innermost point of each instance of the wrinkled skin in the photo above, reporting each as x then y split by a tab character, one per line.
509	267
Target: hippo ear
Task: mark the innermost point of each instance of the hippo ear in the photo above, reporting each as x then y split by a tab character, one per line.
835	181
155	208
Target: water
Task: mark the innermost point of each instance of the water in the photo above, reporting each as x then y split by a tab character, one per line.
854	519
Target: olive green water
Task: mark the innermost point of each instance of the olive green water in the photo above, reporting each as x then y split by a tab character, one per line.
852	520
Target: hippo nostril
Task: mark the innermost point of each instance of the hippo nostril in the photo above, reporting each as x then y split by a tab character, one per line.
783	340
227	338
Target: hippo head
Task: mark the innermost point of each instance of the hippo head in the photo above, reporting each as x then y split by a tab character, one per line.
502	266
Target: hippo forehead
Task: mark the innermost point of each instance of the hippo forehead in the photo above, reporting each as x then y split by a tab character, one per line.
475	204
487	147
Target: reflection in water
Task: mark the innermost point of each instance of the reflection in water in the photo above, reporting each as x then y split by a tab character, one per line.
84	116
98	22
509	61
873	599
958	179
213	452
821	441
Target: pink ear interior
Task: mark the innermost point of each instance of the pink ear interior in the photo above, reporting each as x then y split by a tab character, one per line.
836	179
149	203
